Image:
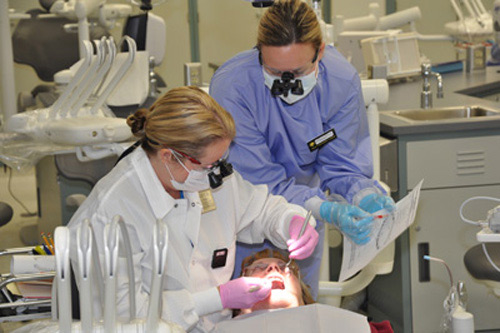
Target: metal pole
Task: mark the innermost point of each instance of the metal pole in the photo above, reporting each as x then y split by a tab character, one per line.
194	32
6	64
327	11
390	6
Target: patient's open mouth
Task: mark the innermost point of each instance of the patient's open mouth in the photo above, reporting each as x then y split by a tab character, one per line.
277	281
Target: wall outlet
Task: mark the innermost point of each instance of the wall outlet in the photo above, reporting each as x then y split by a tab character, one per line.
192	74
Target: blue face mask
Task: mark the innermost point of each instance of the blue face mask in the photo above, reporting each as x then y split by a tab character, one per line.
308	83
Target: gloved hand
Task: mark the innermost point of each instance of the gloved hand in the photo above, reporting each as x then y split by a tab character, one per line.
304	246
374	202
244	292
352	221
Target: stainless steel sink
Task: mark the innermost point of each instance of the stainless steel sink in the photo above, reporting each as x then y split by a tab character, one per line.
445	114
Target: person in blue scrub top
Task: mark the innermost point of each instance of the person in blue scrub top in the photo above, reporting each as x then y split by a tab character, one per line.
302	126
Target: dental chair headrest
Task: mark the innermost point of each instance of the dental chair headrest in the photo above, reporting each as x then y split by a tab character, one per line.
43	44
149	32
46	4
477	264
6	213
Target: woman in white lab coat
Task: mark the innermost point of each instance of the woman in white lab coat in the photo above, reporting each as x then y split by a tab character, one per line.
183	140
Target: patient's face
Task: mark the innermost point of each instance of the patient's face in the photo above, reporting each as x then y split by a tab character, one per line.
286	290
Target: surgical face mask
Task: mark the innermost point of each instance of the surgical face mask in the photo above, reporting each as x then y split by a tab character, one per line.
197	180
307	84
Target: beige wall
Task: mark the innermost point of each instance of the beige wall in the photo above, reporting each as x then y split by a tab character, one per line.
225	30
229	26
178	50
435	13
346	8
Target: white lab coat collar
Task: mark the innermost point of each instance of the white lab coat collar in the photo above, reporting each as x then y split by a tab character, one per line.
161	202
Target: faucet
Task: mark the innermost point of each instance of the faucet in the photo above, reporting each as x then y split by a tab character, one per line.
426	94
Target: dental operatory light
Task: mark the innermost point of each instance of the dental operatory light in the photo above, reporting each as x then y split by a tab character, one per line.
283	86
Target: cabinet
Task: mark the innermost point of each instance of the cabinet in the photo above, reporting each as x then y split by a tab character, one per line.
58	177
455	166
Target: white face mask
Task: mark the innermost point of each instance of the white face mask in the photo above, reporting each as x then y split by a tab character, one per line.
196	181
308	83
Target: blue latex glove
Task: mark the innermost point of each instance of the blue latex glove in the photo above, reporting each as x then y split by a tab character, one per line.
352	221
374	202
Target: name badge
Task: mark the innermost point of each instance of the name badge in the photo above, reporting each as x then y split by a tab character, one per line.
219	258
207	201
321	140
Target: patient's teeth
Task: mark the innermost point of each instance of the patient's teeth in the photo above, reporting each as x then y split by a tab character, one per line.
277	284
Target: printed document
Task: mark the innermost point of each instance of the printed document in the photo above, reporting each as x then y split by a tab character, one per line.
385	230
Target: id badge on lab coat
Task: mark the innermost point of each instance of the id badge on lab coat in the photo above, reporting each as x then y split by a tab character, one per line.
202	275
207	201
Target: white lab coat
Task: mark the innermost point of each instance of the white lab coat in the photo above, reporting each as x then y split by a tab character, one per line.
245	212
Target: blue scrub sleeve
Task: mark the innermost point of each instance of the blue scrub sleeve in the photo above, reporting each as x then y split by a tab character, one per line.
346	167
251	156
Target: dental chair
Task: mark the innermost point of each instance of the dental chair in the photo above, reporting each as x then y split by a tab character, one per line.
482	261
149	32
374	92
44	45
479	267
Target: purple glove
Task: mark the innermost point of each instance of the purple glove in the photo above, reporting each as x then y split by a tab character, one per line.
304	246
244	292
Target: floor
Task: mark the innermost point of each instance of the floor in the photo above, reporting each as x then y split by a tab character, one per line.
23	186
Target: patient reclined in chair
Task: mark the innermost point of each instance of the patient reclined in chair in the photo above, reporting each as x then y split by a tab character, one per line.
290	306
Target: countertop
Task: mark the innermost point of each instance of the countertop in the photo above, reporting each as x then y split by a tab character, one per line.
404	96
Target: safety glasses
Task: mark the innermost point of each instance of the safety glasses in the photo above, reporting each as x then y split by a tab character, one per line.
197	162
217	171
192	159
260	267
